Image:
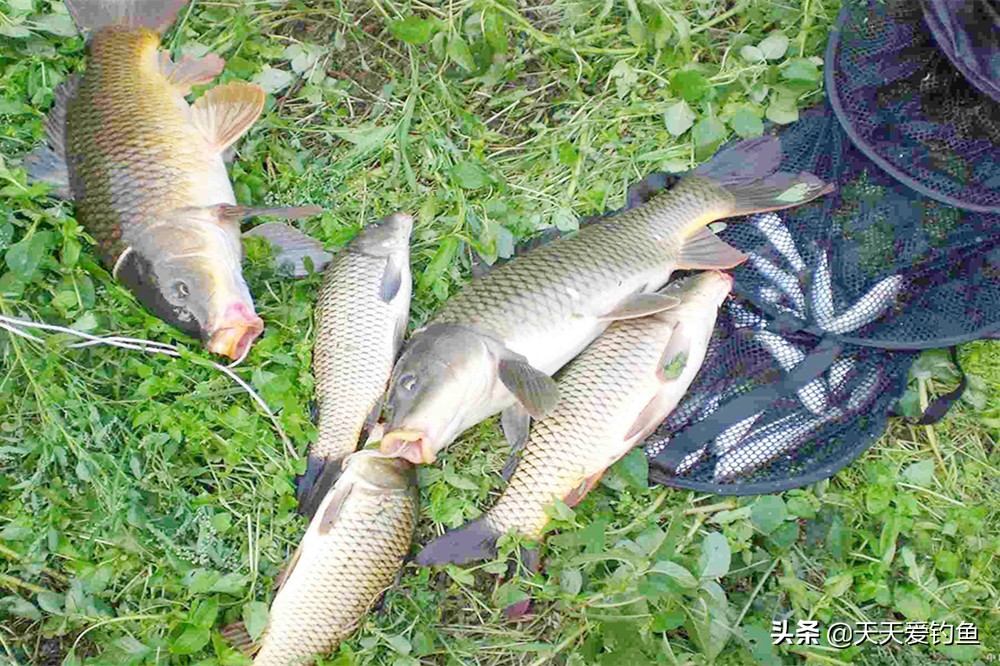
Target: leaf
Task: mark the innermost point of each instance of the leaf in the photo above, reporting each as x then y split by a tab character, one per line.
459	53
690	84
200	581
24	257
509	594
470	176
908	600
15	605
460	576
205	613
255	618
440	262
495	30
634	468
399	644
679	574
57	24
800	69
232	583
412	30
561	511
191	640
565	219
920	473
752	54
786	535
837	586
707	133
715	556
774	46
768	513
679	118
571	581
782	110
746	123
273	80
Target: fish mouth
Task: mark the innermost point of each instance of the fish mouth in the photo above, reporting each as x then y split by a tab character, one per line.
235	339
411	445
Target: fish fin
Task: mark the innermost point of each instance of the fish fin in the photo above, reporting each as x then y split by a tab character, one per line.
190	71
45	165
748	170
647	188
230	212
535	390
226	112
651	416
320	476
705	250
286	572
291	246
641	305
577	494
516	425
156	15
392	277
674	357
237	636
474	541
332	511
55	121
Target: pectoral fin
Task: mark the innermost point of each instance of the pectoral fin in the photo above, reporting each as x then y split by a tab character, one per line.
225	113
577	495
392	277
535	390
516	425
190	71
332	511
291	246
47	163
641	305
703	249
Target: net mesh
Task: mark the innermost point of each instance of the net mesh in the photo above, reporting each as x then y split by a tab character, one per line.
873	268
909	108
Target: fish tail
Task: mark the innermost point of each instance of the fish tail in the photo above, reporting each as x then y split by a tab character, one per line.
320	476
156	15
238	637
475	541
748	171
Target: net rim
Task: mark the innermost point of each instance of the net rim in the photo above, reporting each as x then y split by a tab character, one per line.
846	122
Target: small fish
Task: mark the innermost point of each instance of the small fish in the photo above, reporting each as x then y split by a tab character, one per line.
352	550
821	292
777	233
787	282
734	434
869	307
838	372
813	394
497	342
146	170
613	395
361	316
768	443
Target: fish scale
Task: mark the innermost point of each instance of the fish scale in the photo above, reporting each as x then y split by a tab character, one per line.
347	307
525	297
137	154
601	396
339	573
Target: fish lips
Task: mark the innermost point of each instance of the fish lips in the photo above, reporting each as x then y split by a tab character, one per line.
410	444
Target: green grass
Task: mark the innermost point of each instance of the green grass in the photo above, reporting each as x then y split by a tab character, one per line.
145	502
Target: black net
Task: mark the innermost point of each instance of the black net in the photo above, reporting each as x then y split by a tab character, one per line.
811	353
908	107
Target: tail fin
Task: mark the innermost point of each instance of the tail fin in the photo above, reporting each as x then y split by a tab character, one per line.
748	170
475	541
321	474
156	15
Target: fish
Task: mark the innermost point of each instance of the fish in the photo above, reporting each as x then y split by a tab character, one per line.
497	342
145	169
787	282
613	395
869	307
351	553
813	395
821	292
777	233
361	316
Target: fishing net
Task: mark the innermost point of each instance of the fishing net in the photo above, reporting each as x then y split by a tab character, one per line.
909	108
812	351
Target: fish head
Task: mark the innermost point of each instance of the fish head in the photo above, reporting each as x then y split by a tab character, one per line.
187	271
706	289
380	471
445	373
388	236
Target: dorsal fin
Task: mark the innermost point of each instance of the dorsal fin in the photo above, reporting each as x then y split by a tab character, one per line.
156	15
190	71
226	112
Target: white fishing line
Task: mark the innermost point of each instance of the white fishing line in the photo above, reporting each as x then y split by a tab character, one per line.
14	325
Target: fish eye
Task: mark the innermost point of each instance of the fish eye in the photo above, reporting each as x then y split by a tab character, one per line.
180	290
407	382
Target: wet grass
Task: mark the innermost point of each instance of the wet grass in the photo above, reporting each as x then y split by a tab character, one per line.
146	501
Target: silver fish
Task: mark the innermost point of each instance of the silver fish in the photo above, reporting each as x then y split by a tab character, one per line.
770	225
869	307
